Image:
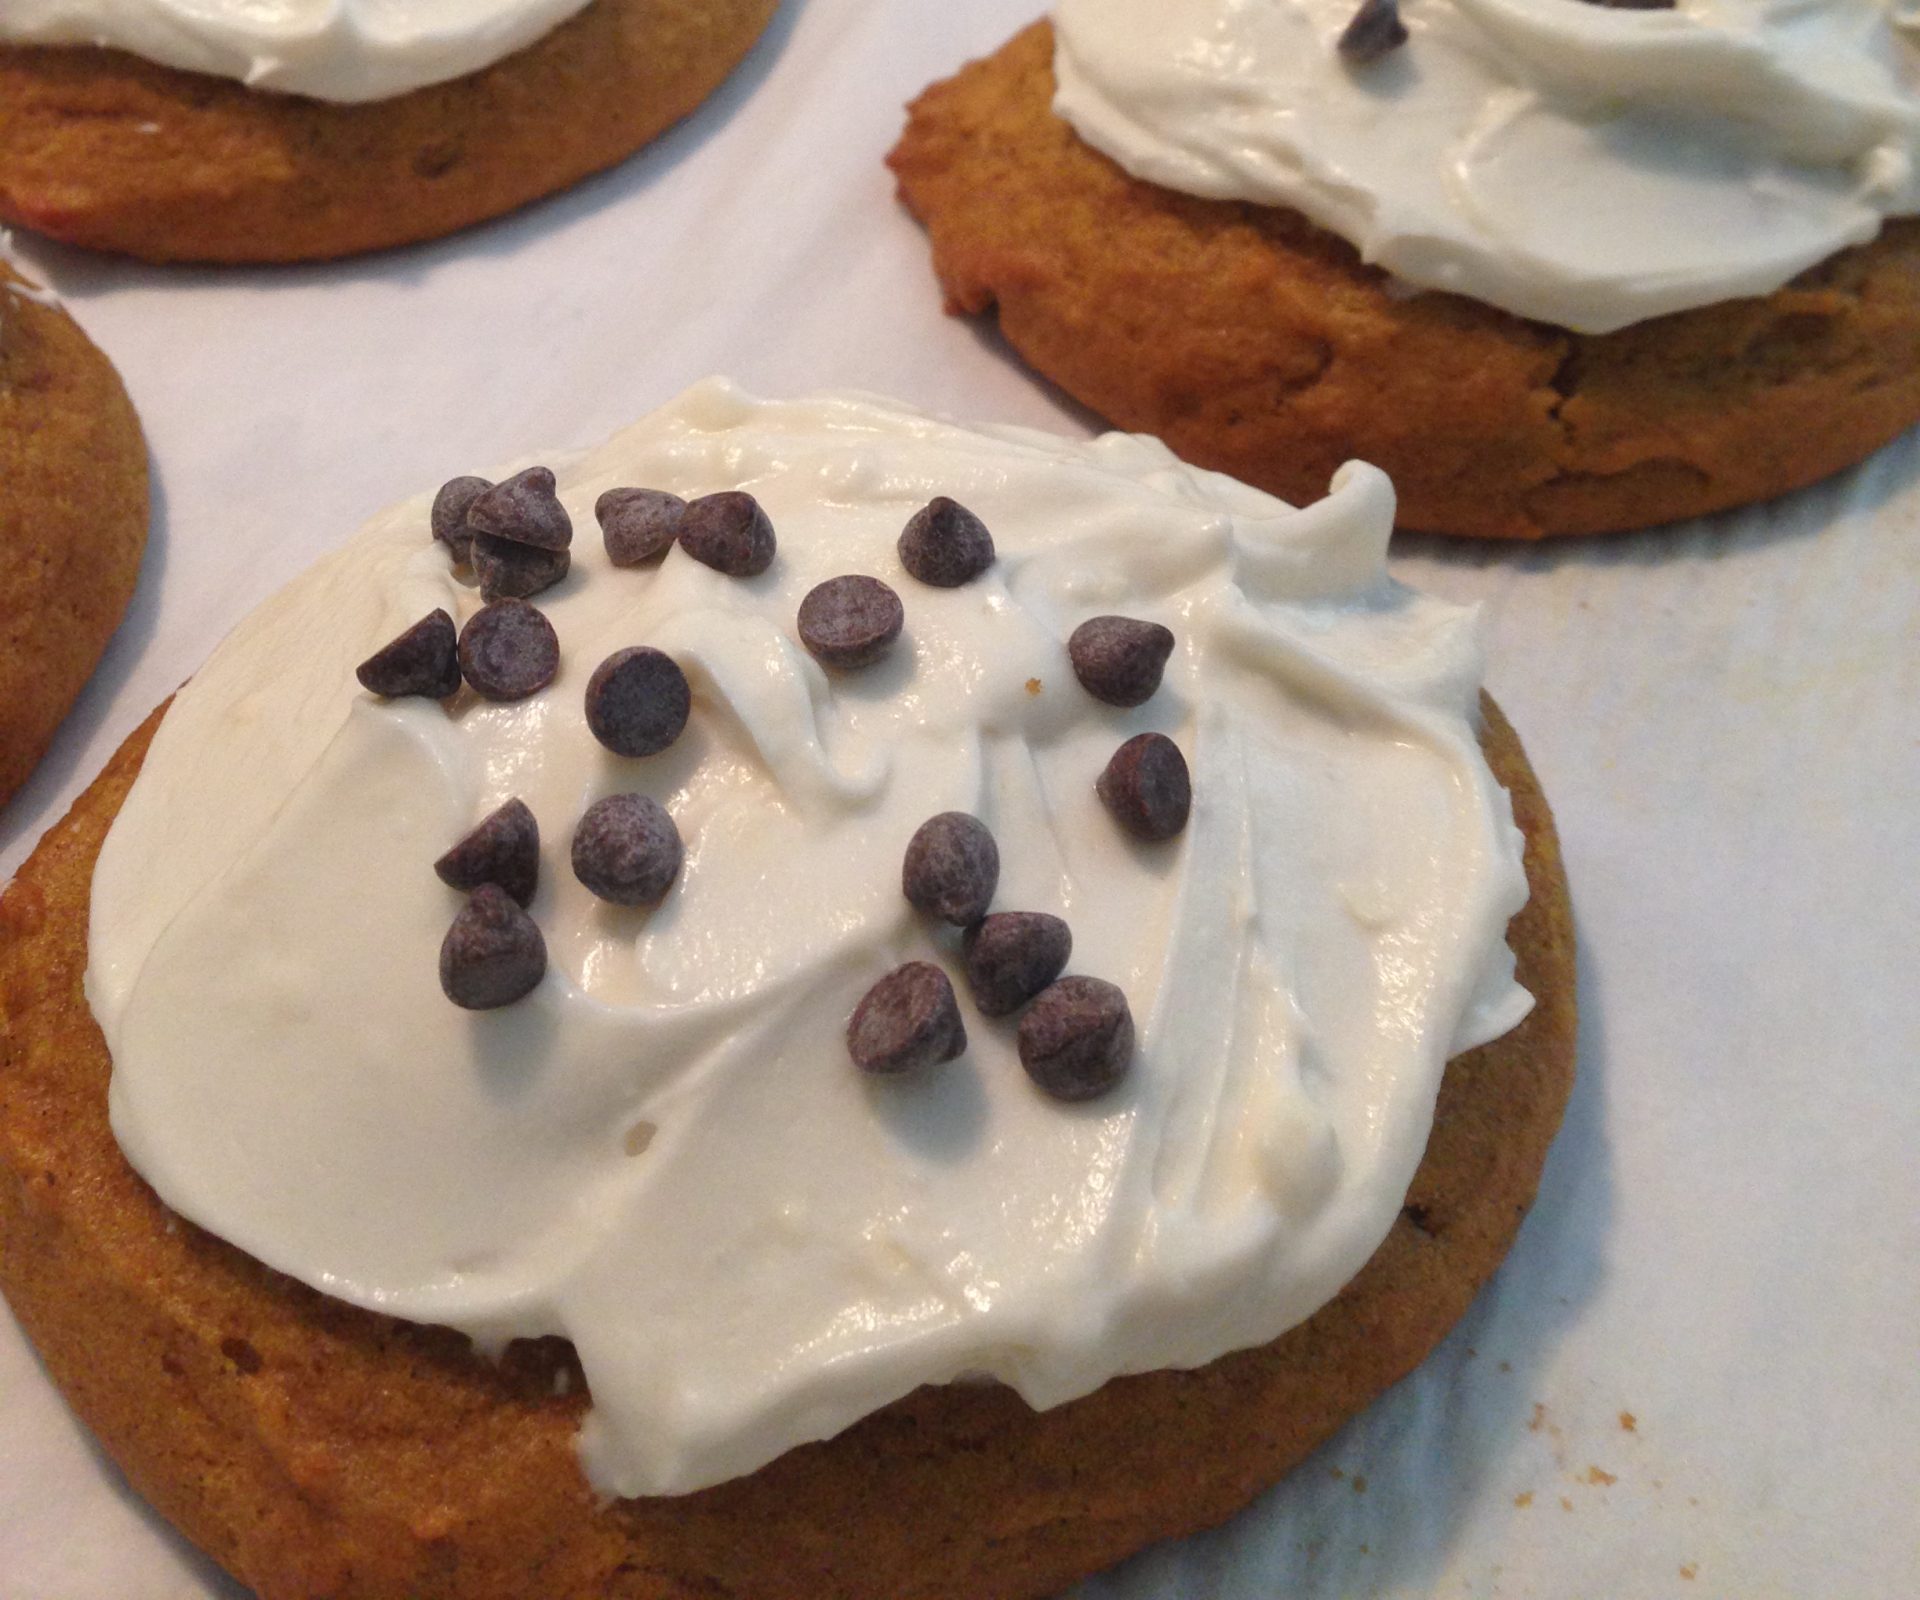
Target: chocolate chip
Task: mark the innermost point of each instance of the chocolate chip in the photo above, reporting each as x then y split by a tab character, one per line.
638	524
1077	1038
851	621
627	850
508	651
1012	956
1118	659
952	868
729	532
493	954
1375	31
637	701
909	1019
419	661
509	571
524	509
448	519
945	544
503	849
1146	787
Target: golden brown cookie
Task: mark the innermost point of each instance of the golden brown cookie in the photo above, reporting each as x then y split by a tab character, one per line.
73	518
103	149
316	1450
1258	344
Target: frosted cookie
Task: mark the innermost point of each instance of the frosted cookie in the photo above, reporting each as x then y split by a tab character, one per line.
73	516
1557	268
828	1247
228	132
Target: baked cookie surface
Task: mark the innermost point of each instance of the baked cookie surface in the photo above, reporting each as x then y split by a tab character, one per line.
102	149
318	1450
73	518
1259	345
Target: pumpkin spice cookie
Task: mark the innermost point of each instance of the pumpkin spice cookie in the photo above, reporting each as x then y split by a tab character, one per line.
356	143
73	517
780	1391
1173	250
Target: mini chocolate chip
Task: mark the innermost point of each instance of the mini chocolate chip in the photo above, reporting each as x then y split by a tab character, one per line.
945	544
504	849
1077	1038
729	532
419	661
638	524
508	651
448	519
1118	659
637	701
1012	956
509	571
493	954
1146	787
1375	31
524	509
909	1019
952	868
851	621
627	850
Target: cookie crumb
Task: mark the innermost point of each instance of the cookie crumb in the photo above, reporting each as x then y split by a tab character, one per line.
1689	1571
1033	686
1522	1501
1600	1478
1629	1423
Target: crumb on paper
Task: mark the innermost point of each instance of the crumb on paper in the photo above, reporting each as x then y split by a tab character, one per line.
1336	1473
1522	1501
1565	1503
1539	1418
1506	1366
1359	1483
1629	1423
1600	1478
1033	686
1689	1571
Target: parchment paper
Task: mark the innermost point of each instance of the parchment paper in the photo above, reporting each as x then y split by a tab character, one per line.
1699	1372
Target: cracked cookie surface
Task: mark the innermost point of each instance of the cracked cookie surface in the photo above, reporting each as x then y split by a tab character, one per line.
73	518
1257	344
102	149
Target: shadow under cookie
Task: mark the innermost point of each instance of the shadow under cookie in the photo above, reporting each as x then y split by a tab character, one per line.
316	1449
102	149
73	518
1256	344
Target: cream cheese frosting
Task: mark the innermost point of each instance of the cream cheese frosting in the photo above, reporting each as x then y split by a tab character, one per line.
345	50
1575	163
664	1152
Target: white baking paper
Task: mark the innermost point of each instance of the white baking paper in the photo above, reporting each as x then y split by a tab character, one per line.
1699	1372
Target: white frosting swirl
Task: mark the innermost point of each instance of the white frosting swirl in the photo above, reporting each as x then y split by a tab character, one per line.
796	1245
346	50
1582	165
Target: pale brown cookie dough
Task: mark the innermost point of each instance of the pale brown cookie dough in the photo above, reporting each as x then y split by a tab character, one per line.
102	149
73	518
1259	345
316	1450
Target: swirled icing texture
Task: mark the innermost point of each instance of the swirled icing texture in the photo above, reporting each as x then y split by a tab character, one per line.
346	50
795	1245
1578	164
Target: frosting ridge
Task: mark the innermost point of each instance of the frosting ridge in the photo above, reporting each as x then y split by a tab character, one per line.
1576	163
664	1153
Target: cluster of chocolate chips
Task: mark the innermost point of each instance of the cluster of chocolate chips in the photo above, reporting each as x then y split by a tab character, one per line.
1376	29
516	536
1077	1036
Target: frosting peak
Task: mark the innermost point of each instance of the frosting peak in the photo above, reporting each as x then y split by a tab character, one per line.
664	1152
1582	164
